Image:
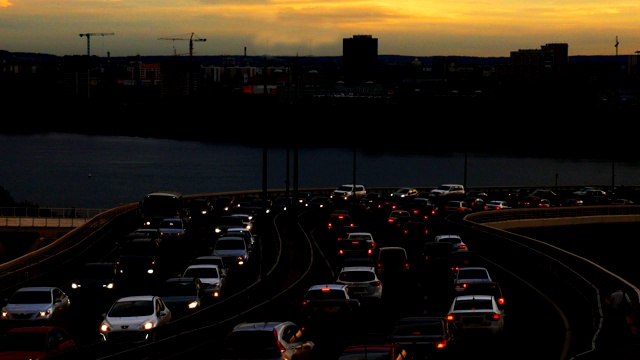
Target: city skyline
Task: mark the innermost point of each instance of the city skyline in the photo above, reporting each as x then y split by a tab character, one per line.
490	28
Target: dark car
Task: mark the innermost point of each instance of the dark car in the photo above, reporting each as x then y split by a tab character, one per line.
424	337
35	342
182	295
97	281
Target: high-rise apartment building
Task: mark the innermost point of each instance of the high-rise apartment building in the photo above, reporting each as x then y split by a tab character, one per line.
360	59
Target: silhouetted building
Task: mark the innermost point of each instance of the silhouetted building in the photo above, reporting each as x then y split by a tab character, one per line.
360	59
549	63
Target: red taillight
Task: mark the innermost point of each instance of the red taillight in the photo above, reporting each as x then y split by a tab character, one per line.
462	246
278	344
375	283
493	317
501	301
450	317
441	344
391	220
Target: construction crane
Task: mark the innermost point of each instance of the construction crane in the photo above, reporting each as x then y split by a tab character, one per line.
89	35
191	39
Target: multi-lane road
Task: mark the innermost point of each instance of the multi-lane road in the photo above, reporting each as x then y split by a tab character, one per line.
294	252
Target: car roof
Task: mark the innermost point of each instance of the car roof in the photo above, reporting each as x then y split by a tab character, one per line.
358	268
37	288
473	297
137	298
259	326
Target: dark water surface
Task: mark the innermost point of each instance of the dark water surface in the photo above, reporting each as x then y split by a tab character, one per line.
101	171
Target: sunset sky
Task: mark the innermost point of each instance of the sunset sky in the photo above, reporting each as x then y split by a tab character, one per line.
317	27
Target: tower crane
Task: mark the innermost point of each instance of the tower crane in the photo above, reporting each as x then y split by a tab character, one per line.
89	35
191	39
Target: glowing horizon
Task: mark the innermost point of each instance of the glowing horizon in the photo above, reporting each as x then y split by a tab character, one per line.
303	27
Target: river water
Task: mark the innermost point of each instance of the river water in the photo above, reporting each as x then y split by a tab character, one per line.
101	171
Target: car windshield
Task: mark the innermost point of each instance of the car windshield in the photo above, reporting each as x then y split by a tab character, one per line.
230	245
177	289
357	276
472	274
204	272
23	341
132	308
430	328
31	297
473	304
325	295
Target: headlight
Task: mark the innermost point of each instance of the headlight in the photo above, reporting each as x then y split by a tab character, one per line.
105	328
148	325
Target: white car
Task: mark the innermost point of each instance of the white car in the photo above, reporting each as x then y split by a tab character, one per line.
38	305
470	274
497	205
211	277
134	319
455	240
363	282
171	227
447	190
476	314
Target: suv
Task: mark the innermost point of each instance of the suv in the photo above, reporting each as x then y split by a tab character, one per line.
447	190
267	340
346	192
392	261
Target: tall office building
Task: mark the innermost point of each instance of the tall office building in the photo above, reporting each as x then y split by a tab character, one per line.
360	59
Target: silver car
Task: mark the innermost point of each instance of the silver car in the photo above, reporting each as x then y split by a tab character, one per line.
42	305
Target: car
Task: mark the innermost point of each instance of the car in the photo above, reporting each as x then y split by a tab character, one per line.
333	300
198	210
342	232
35	342
233	250
447	190
171	228
247	234
97	280
454	239
372	200
183	295
545	194
347	192
459	206
394	215
416	231
497	205
622	202
385	351
318	202
404	193
571	202
247	219
339	219
213	283
470	274
424	337
476	315
475	203
134	319
363	282
36	305
277	340
531	201
222	223
421	208
139	260
487	288
361	245
392	261
212	259
280	204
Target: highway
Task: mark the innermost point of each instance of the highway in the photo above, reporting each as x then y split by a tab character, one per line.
545	319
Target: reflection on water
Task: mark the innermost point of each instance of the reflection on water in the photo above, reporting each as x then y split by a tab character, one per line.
65	170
